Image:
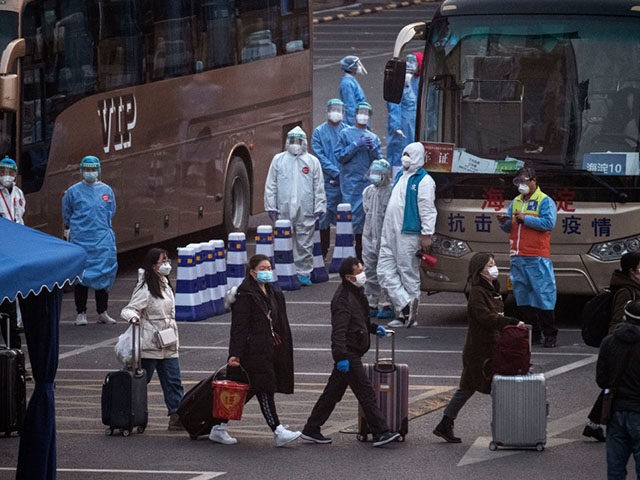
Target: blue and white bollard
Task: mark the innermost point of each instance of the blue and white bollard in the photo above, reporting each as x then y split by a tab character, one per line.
202	281
264	245
283	255
236	258
344	237
319	273
186	297
210	277
221	272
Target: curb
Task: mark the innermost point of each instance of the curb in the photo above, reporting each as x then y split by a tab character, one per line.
369	10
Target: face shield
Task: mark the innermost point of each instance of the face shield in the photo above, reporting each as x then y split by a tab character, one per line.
296	142
379	173
363	114
352	64
335	110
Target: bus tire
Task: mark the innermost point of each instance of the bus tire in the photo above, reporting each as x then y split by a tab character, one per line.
237	198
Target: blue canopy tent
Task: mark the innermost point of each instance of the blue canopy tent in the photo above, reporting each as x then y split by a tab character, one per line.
34	266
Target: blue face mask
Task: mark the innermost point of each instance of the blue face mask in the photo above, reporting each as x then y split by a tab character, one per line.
90	177
375	178
264	276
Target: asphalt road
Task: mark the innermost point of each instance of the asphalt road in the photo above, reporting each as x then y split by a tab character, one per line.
432	350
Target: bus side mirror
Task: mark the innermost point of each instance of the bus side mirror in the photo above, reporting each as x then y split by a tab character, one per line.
9	92
394	72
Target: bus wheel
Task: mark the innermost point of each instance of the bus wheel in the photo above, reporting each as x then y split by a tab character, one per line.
237	198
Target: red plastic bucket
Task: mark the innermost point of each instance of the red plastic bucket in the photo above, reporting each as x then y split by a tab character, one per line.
228	399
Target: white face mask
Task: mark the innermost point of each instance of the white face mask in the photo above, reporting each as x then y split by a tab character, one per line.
362	119
90	177
375	178
360	280
164	269
294	149
7	180
523	188
334	117
406	162
493	272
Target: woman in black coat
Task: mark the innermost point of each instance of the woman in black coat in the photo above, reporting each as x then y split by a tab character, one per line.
261	343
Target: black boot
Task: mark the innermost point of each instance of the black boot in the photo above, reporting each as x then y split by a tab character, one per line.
445	430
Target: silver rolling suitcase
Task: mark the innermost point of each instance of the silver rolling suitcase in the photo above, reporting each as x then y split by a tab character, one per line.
520	409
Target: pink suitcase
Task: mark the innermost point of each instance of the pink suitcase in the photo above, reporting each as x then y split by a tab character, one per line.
391	385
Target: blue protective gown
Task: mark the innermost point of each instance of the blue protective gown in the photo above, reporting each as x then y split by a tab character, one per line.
532	278
88	209
402	116
351	94
323	142
354	165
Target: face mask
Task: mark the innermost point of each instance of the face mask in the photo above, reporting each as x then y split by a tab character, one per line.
406	162
334	117
7	180
90	177
164	269
407	78
523	188
361	279
361	70
493	272
294	149
362	119
375	178
264	276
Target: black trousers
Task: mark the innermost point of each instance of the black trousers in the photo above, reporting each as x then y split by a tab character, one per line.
337	384
541	321
9	308
80	293
267	406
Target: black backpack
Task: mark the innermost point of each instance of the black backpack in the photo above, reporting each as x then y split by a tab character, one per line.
596	316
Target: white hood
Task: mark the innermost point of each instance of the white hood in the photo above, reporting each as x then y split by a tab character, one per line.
415	152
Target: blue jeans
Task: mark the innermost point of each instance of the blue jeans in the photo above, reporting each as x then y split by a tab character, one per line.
169	375
623	439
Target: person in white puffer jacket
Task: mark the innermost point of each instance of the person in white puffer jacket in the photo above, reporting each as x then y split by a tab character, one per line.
152	304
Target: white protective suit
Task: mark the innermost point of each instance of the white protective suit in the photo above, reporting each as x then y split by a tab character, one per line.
374	202
12	204
295	190
398	266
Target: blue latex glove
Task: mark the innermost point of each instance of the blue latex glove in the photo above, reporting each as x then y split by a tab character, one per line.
334	182
368	142
343	366
273	215
381	331
362	141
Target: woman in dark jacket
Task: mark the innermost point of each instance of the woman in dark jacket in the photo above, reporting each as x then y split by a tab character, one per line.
485	313
261	343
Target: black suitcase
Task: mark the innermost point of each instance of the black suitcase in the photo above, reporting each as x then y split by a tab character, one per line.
13	390
124	395
195	409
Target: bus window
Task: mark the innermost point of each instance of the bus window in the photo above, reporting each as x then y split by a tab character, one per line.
120	60
295	25
258	29
218	33
173	30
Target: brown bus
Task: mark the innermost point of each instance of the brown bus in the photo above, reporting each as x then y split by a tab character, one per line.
185	102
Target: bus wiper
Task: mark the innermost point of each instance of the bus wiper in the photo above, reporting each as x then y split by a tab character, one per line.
621	196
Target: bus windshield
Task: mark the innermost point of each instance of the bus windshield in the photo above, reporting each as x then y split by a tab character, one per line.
554	92
8	28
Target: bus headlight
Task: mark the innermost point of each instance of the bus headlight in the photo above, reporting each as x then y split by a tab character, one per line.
450	247
608	251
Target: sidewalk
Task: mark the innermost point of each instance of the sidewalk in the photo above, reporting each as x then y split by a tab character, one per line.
330	10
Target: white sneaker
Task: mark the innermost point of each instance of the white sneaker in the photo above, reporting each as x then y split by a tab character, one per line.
284	436
219	434
395	323
81	319
105	318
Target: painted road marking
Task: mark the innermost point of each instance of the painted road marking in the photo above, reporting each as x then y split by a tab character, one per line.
199	475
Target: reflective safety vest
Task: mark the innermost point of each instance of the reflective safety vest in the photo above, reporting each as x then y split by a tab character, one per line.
525	241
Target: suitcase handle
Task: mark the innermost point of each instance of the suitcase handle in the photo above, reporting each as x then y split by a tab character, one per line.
136	349
386	361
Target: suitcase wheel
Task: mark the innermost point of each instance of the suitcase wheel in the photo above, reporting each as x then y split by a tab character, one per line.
361	438
493	447
539	447
108	432
126	433
140	429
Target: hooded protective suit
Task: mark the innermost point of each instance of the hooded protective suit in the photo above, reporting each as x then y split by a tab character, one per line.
351	94
323	142
374	202
354	164
398	266
295	190
88	208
